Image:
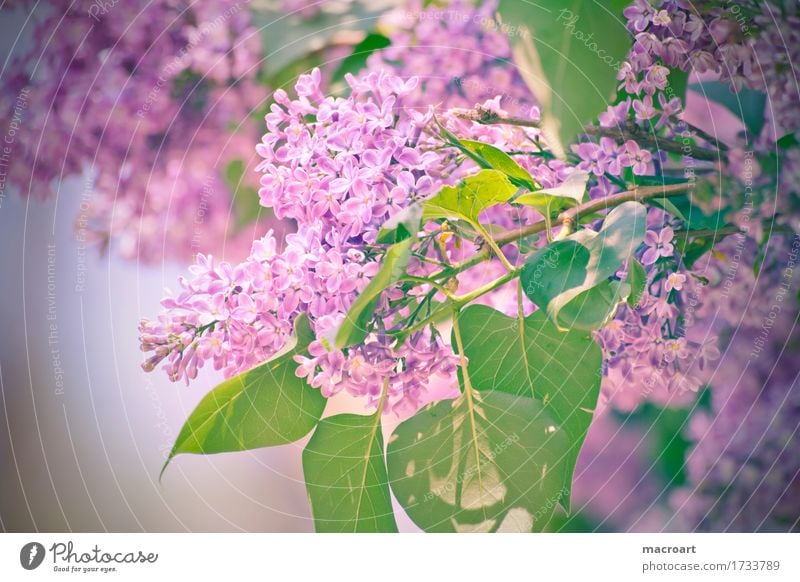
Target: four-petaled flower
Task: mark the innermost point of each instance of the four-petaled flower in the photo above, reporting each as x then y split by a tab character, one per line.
659	244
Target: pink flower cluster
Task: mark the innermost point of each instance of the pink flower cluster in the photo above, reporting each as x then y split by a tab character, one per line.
339	167
140	101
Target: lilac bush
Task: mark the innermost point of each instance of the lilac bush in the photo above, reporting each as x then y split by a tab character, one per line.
443	229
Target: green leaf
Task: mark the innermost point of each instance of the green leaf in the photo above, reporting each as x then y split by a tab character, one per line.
568	52
345	474
361	52
492	462
569	278
403	225
746	104
692	214
594	307
470	197
286	39
263	407
530	357
354	328
246	204
569	193
490	157
637	279
678	83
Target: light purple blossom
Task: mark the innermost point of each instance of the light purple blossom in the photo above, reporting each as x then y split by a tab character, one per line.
659	244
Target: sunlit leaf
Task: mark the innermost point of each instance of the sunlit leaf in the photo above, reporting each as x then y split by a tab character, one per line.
569	278
355	326
493	462
470	197
568	52
530	357
345	474
266	406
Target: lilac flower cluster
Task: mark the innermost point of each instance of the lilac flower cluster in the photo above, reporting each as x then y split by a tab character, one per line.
339	167
744	470
651	352
459	54
138	108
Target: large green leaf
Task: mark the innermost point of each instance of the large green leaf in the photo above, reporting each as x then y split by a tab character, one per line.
569	278
470	197
345	473
490	157
568	52
489	462
354	328
263	407
569	193
530	357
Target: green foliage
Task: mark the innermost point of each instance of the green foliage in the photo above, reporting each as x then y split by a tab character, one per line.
470	197
361	52
403	225
263	407
565	195
486	461
568	52
678	83
355	326
569	279
246	205
530	357
746	104
288	39
345	474
489	157
637	280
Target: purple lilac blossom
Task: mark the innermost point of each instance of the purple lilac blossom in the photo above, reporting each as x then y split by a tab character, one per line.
138	101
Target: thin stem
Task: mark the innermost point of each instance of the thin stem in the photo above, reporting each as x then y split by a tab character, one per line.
487	117
462	358
468	393
456	303
631	132
636	194
568	219
381	403
494	246
424	281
